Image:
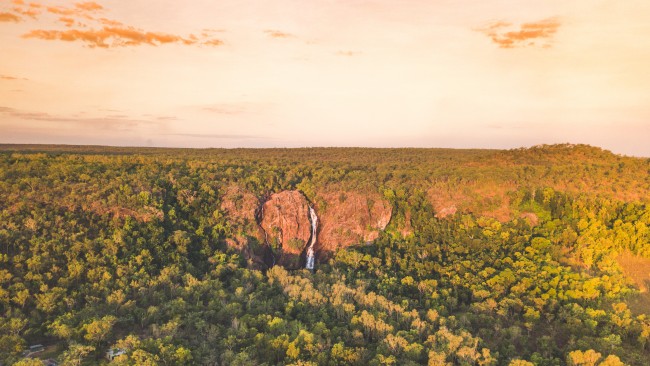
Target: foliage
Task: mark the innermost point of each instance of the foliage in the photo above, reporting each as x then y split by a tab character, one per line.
127	249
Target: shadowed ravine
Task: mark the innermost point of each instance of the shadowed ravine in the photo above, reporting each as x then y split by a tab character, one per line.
293	228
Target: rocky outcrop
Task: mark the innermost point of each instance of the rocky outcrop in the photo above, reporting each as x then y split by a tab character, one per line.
240	205
279	230
348	218
285	220
481	199
247	237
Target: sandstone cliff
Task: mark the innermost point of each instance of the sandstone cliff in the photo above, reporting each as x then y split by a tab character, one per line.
278	230
348	218
285	219
241	207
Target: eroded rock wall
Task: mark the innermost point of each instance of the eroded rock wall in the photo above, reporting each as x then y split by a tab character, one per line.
247	237
348	218
285	219
283	229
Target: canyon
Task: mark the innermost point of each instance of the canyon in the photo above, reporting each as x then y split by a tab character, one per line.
279	229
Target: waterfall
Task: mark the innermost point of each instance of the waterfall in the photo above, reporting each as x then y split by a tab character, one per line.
310	248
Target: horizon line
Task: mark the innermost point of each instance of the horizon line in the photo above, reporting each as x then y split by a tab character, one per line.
566	144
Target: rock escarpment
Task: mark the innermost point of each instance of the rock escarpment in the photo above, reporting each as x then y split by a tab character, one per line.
278	230
349	218
285	220
241	207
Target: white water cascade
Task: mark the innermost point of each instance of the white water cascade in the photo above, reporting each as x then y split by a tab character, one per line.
310	248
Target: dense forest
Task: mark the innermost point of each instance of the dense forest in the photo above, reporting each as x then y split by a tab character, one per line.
535	256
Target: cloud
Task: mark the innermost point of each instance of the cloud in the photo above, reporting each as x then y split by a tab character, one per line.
31	12
61	10
9	17
534	34
9	77
278	34
212	42
108	122
68	22
85	26
110	22
89	6
116	37
79	10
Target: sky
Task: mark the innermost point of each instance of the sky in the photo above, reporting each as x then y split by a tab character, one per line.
294	73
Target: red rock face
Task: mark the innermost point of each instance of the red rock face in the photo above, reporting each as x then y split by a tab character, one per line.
344	219
348	218
285	219
241	206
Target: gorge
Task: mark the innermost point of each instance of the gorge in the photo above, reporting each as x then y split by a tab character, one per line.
325	256
285	229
